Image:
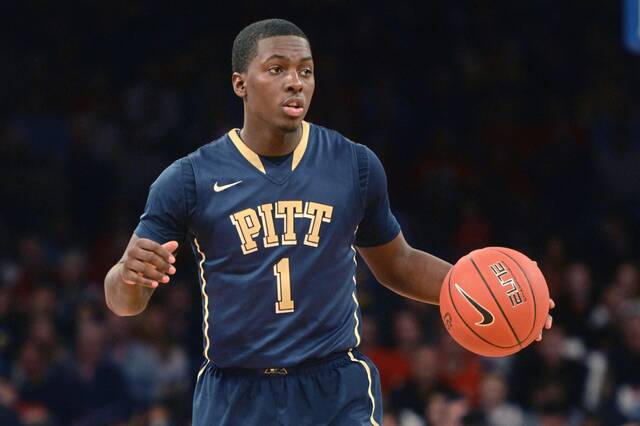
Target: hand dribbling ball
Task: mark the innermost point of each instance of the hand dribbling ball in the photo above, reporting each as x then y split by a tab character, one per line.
494	301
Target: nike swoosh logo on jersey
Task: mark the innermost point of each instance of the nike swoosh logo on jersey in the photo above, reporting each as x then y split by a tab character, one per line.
220	188
487	317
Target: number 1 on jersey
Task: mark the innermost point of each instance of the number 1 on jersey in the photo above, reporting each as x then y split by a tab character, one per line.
281	271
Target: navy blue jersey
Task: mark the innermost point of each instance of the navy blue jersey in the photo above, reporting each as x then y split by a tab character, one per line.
274	242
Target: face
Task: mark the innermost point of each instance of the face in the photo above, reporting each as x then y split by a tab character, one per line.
278	84
425	362
493	391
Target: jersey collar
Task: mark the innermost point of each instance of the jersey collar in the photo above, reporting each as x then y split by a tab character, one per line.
254	158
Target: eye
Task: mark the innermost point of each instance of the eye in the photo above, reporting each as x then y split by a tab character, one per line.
306	72
275	70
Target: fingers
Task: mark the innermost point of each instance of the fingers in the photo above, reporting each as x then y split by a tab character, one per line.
141	273
160	250
157	255
170	246
133	278
549	322
148	263
149	258
148	271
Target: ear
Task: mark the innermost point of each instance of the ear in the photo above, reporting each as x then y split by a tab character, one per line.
238	83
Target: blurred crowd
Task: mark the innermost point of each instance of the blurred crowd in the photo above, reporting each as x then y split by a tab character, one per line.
499	123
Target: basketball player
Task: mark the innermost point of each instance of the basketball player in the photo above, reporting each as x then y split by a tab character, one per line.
273	212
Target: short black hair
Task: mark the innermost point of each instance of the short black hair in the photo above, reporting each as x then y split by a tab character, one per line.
246	42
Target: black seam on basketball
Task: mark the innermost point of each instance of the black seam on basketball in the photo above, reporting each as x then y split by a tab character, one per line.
496	300
533	295
453	303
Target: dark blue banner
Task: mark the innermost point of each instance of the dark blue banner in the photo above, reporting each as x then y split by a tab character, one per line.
632	25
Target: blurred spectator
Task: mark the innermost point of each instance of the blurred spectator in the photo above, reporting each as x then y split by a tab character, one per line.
389	419
411	399
627	277
407	331
134	358
553	263
614	242
393	365
42	301
605	318
544	376
459	369
159	416
179	305
34	377
442	410
173	371
97	389
574	299
170	365
552	415
493	408
624	362
33	268
9	332
473	232
8	404
42	333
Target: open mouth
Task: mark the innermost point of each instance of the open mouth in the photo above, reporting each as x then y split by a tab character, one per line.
293	107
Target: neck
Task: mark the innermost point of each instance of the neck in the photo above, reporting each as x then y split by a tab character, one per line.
265	139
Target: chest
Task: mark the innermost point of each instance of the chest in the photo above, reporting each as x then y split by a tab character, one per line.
241	212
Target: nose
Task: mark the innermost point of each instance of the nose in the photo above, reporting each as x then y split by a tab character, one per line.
293	82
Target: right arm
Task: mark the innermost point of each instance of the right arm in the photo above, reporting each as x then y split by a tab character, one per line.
148	260
130	283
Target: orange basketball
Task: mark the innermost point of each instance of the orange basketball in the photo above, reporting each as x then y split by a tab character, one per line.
494	301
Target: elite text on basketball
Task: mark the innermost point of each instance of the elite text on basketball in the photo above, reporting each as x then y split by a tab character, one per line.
505	277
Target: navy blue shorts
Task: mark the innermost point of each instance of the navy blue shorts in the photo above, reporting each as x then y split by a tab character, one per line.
341	390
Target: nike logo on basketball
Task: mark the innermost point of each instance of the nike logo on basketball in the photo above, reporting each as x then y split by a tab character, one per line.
220	188
487	317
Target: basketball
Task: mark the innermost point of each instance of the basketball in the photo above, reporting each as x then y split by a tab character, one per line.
494	301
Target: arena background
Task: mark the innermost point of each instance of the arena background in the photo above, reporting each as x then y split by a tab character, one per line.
513	123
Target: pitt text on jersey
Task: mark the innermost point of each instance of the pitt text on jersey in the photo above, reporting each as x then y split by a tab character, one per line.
249	226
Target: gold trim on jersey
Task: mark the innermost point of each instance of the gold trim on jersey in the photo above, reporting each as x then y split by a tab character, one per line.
246	152
302	146
204	367
353	294
368	371
254	158
355	316
206	306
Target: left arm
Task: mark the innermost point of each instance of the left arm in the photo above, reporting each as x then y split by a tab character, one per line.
398	266
413	273
407	271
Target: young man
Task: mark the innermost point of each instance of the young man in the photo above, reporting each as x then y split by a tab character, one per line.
273	212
